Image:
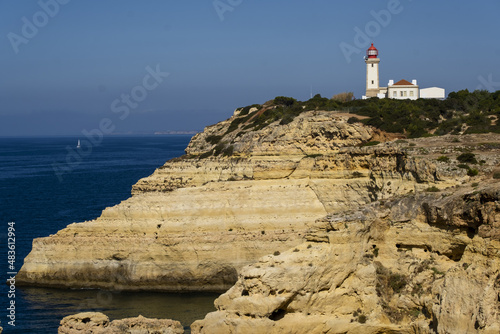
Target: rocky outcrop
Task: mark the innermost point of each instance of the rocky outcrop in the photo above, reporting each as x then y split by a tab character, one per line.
199	219
98	323
176	231
311	225
420	263
311	132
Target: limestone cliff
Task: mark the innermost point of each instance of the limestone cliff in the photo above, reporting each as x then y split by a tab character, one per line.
236	196
311	132
418	263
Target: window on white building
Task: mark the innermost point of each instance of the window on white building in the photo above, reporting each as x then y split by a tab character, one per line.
394	94
401	94
411	93
373	82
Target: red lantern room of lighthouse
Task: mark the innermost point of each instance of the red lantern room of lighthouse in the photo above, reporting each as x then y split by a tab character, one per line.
372	52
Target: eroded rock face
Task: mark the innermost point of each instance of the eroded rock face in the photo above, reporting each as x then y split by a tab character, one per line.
425	263
195	222
176	232
179	240
311	132
98	323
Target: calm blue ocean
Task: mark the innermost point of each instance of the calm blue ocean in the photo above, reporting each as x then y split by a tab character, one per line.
40	203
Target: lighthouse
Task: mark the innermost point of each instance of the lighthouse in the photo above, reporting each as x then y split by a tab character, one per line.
401	90
372	77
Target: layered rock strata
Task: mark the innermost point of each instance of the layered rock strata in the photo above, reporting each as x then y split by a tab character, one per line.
420	263
198	220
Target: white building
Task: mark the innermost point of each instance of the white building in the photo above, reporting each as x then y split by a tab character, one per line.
401	90
432	93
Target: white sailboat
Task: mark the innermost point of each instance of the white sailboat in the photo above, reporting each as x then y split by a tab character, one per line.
78	145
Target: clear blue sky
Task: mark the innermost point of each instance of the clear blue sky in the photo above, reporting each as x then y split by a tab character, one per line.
65	76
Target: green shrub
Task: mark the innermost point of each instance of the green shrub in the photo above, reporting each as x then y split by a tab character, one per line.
353	120
463	166
467	158
246	110
213	139
276	253
357	174
287	119
432	189
443	158
490	145
228	151
235	124
436	271
362	319
219	148
285	101
496	175
415	312
206	155
370	143
316	155
397	282
472	172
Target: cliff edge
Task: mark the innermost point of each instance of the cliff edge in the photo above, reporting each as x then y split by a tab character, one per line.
247	187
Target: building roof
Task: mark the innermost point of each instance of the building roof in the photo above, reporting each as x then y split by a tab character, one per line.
403	83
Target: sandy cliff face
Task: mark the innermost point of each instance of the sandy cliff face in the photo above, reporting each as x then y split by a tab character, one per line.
319	233
198	220
425	263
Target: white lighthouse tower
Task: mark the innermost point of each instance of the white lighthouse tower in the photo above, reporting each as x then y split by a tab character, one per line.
372	78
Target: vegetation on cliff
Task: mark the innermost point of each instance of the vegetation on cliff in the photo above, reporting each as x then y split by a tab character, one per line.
461	112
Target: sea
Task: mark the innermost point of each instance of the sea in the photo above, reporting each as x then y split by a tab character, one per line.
47	183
